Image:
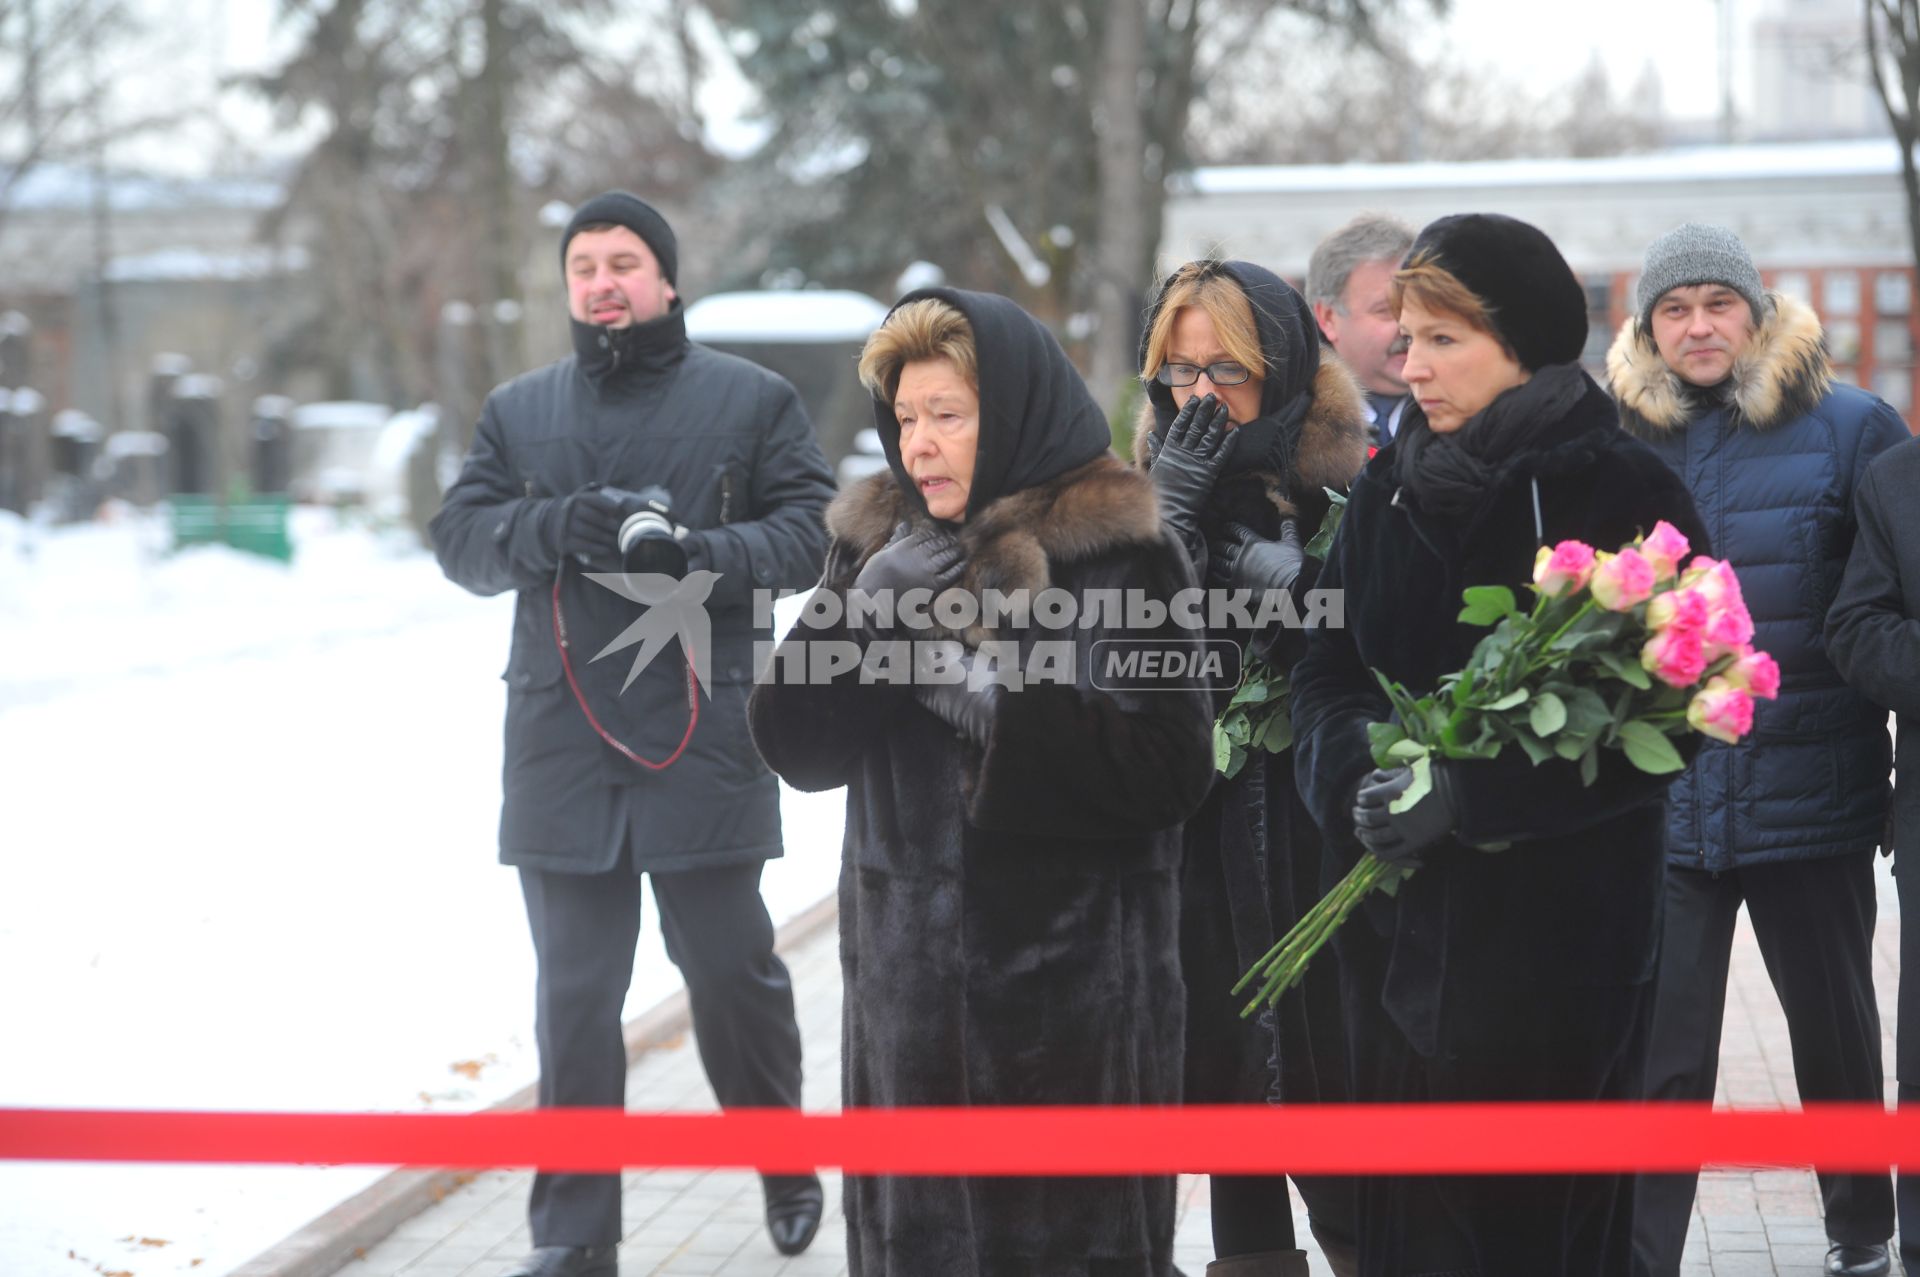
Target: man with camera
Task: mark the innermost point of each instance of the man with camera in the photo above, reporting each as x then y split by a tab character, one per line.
635	484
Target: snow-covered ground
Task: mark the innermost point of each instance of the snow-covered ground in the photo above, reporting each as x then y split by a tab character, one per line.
249	820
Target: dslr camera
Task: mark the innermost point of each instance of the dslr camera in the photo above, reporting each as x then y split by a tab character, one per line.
649	539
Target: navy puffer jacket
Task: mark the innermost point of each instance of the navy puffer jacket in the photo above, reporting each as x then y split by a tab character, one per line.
1772	465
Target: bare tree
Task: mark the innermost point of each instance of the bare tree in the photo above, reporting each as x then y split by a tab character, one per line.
1893	59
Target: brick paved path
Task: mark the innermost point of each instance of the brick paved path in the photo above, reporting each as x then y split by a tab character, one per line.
704	1224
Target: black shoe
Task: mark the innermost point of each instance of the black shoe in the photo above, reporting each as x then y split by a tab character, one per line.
567	1261
1844	1260
794	1203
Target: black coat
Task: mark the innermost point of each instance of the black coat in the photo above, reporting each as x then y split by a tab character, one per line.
1008	913
732	444
1773	470
1519	975
1576	901
1873	631
1252	853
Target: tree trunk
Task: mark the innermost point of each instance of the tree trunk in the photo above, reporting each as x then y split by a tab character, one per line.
1902	104
502	257
1122	254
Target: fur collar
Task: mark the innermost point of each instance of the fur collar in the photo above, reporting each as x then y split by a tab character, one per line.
1018	540
1333	439
1782	374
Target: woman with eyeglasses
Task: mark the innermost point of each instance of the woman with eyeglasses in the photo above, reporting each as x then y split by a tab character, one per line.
1246	424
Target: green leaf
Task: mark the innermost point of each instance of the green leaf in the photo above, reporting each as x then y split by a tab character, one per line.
1486	604
1626	671
1406	751
1538	751
1570	746
1517	696
1322	540
1381	737
1238	728
1278	733
1421	786
1222	750
1236	759
1590	766
1548	714
1649	749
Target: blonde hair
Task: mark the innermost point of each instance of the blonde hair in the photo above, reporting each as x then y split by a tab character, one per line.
1438	289
1224	302
926	329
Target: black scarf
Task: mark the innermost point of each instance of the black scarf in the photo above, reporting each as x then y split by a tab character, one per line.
1037	418
1451	474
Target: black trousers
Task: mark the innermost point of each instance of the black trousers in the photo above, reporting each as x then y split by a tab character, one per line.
1814	922
1906	1064
585	928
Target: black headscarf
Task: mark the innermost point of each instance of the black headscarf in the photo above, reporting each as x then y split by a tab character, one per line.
1290	344
1037	418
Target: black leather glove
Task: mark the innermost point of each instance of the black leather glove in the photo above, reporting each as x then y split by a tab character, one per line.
1189	462
1402	836
930	559
1241	559
584	526
967	710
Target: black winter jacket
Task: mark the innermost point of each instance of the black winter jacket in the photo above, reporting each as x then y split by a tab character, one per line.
732	444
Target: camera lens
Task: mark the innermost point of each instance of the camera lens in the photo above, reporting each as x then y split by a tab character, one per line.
647	544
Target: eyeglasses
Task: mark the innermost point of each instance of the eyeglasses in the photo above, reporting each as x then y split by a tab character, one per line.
1223	374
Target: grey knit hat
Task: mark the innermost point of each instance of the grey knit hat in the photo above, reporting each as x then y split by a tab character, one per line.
1697	253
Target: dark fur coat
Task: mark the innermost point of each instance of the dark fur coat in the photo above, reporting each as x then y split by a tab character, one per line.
1008	914
1251	863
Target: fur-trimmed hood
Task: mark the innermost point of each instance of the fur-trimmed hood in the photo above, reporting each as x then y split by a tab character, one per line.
1781	375
1333	440
1018	540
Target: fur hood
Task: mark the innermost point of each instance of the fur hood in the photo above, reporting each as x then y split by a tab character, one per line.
1333	439
1019	539
1783	373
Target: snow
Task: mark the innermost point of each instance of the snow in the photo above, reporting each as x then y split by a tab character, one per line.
1809	161
251	815
811	314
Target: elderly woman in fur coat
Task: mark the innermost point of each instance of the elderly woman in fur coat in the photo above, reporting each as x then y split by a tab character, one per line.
1245	428
1009	897
1526	974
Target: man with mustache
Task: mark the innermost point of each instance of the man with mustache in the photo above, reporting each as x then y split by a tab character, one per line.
1731	384
604	782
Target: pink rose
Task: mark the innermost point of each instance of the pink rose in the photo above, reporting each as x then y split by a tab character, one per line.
1564	569
1623	580
1721	710
1757	672
1664	547
1678	609
1729	629
1676	657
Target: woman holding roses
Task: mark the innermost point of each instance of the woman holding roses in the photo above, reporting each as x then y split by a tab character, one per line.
1009	891
1247	423
1526	974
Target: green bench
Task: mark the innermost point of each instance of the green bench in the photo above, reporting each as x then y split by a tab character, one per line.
257	525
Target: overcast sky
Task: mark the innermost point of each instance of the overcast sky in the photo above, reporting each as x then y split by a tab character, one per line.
1540	44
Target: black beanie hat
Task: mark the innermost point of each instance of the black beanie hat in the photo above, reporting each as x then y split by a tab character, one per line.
1537	306
628	210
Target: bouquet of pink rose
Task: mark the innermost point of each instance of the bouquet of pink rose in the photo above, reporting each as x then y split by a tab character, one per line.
1619	651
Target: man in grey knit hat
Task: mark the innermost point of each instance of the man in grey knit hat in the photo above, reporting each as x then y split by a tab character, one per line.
1731	385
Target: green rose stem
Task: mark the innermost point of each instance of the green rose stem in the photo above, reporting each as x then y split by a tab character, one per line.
1285	965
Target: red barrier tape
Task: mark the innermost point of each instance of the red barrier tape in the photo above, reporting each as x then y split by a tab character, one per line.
1334	1139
